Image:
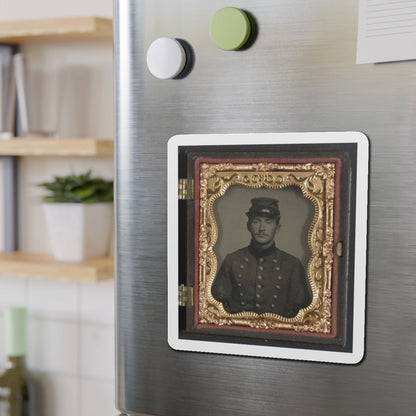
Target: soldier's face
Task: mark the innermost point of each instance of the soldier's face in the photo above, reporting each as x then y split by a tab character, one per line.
263	230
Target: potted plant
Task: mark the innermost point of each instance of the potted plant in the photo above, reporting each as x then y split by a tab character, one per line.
79	213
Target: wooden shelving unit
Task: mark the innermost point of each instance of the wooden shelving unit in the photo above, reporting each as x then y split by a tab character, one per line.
44	266
41	265
41	30
18	146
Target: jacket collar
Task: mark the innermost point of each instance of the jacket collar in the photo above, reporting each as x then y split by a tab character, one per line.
256	250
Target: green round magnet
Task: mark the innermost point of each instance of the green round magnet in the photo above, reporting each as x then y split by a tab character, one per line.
230	28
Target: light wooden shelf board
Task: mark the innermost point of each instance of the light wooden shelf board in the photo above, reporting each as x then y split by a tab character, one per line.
18	146
44	266
72	28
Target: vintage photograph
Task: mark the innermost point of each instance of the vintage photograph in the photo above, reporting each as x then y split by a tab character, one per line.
262	276
265	245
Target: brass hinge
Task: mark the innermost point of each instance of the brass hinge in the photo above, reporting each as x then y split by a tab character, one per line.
186	295
186	189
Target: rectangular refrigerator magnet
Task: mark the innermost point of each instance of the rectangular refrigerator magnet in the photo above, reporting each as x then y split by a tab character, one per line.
267	244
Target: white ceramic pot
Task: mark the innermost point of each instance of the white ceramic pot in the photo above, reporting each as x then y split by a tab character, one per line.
79	231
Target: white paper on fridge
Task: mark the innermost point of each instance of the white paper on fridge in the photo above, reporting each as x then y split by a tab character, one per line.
386	31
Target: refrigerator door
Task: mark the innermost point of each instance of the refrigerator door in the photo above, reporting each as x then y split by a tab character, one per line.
297	75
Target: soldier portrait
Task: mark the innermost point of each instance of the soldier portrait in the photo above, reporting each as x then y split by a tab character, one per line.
260	277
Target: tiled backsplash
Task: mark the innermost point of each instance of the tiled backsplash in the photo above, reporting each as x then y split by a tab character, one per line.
70	343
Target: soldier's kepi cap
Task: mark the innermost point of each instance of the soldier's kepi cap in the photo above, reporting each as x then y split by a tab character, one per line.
264	207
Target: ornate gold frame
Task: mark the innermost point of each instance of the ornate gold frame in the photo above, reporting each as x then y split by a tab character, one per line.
317	183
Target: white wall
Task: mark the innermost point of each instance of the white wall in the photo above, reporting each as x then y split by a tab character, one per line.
27	9
71	335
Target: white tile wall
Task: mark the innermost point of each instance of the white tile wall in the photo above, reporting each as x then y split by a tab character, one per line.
92	389
97	302
51	298
97	352
55	346
70	343
12	292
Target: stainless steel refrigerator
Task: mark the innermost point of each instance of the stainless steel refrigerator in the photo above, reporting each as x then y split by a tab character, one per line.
286	92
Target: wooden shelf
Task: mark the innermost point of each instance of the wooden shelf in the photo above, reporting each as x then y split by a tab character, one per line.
39	30
44	266
18	146
52	30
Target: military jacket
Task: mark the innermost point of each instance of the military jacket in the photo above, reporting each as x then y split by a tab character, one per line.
271	281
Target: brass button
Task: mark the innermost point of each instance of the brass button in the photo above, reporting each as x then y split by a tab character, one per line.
246	259
279	277
273	305
277	287
242	266
257	305
241	294
275	297
274	261
277	268
258	296
243	303
261	268
259	277
259	286
239	275
261	259
239	284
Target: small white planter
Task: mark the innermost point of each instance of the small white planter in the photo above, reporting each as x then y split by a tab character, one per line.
79	231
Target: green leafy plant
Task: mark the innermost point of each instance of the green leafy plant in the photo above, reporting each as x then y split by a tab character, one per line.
81	189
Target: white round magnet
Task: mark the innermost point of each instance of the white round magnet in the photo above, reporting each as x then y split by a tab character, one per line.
166	58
